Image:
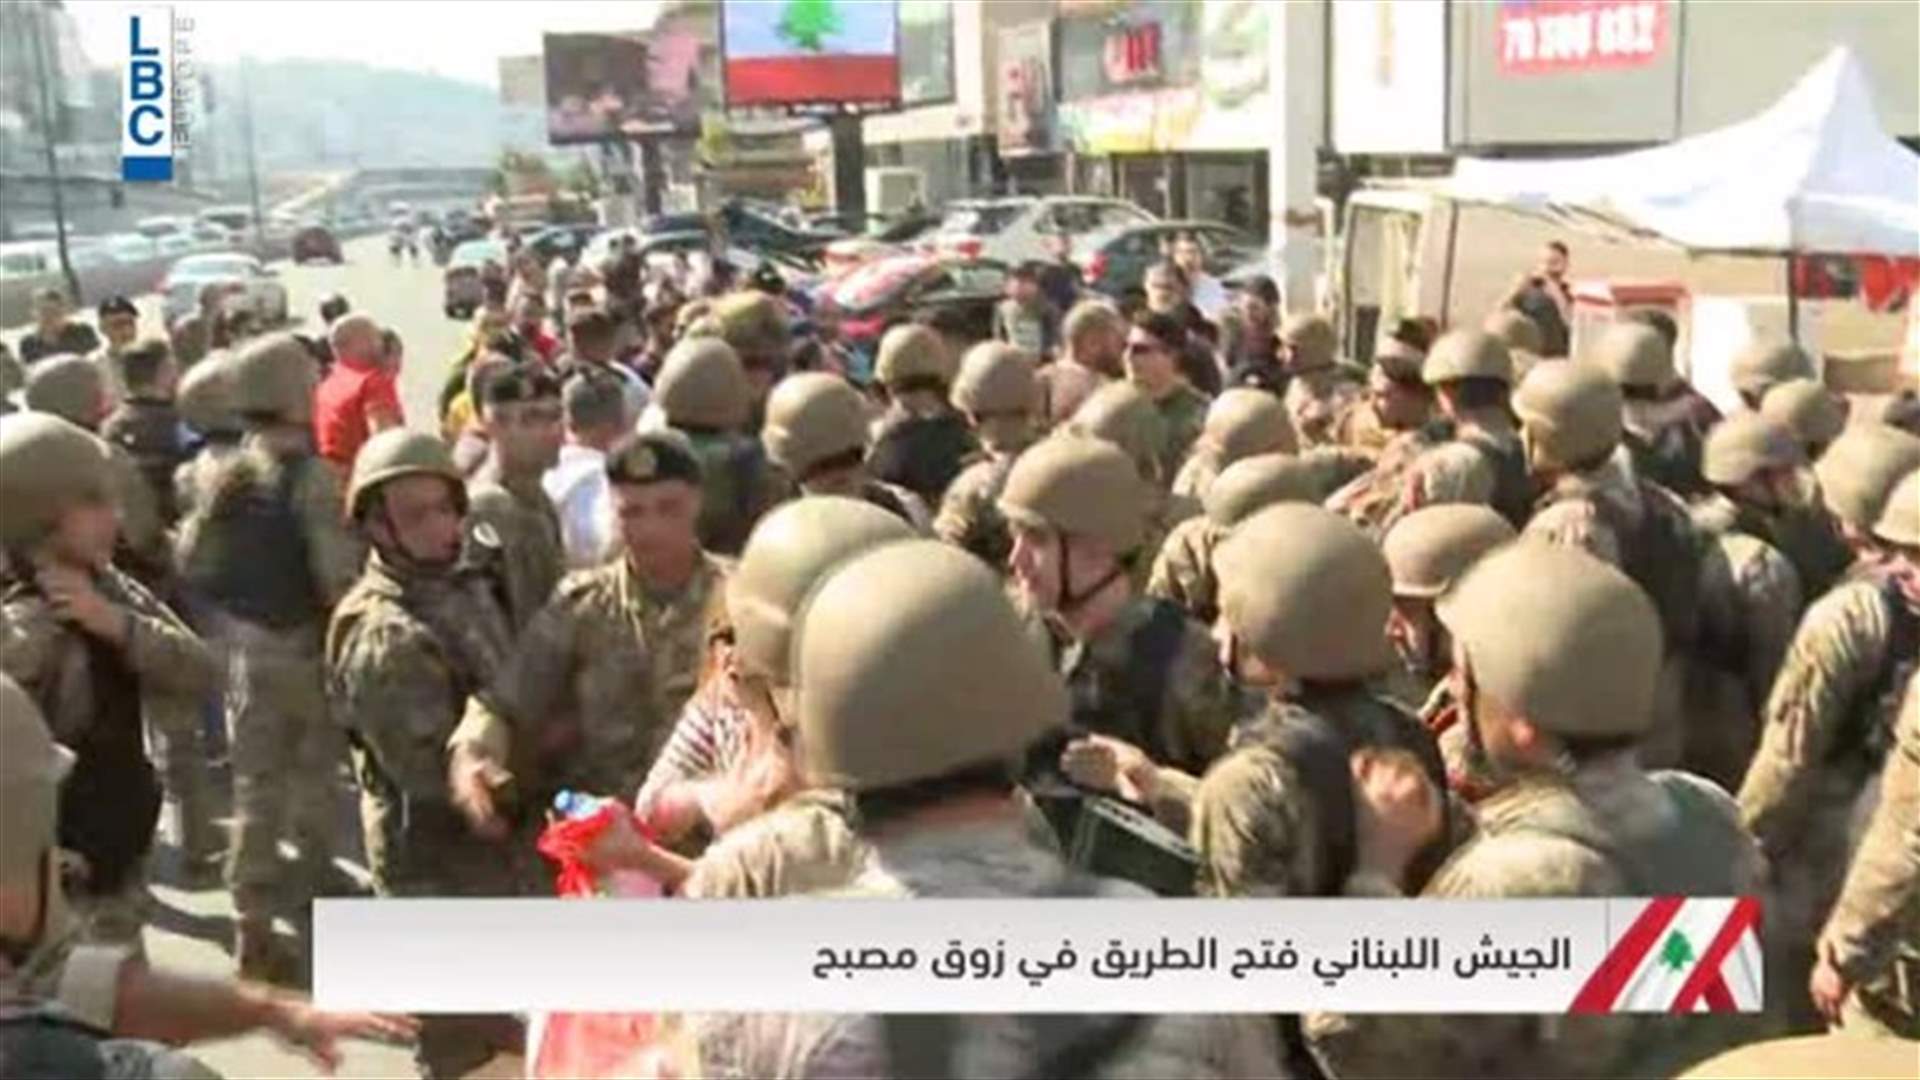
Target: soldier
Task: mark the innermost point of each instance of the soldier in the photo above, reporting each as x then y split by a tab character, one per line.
509	509
1240	423
119	324
1829	722
1858	471
936	801
921	442
205	404
267	555
755	326
95	650
1183	570
1320	389
1760	487
415	638
1521	335
1138	669
1666	420
1866	958
1154	370
997	393
146	424
1426	552
1764	364
1397	400
703	393
1123	416
816	431
1814	415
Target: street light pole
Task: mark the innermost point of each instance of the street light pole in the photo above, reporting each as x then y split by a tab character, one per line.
43	24
253	165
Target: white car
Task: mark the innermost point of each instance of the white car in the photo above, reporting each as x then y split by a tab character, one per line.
1013	230
260	290
131	248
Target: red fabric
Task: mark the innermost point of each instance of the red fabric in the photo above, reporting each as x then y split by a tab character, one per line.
543	344
565	842
341	404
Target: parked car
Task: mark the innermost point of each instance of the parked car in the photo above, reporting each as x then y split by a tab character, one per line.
130	248
1013	230
316	242
1114	261
25	268
462	288
558	241
886	291
260	289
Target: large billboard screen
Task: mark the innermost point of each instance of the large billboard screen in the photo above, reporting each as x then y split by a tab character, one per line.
602	86
780	53
926	51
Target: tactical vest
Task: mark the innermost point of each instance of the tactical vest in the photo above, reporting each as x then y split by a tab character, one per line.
1662	553
922	453
733	469
1127	702
1512	488
259	567
1670	457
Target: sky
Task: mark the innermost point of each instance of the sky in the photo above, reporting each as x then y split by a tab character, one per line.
461	41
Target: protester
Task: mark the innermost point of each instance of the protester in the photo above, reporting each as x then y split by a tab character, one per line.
359	397
54	330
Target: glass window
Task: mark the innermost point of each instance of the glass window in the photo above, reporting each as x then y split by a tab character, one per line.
979	219
926	51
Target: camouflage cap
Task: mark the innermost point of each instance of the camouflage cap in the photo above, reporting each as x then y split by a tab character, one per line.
1252	484
1763	362
1243	421
394	453
1571	414
703	385
1563	639
1467	354
1517	331
1311	340
32	766
1078	486
1429	549
996	379
911	352
1306	592
72	388
813	417
1809	411
1859	470
1899	521
1634	354
1745	444
912	663
275	376
1120	414
47	464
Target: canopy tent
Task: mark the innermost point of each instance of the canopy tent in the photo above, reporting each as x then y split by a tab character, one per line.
1813	173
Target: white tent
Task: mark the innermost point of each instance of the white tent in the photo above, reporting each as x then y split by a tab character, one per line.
1813	173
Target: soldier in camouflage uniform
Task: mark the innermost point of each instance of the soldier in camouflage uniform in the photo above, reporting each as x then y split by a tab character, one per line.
266	555
509	509
1397	400
1764	364
816	431
1557	657
1666	420
937	804
1814	415
1760	486
1857	472
1320	389
1124	416
1183	570
1240	423
205	402
703	392
754	326
1426	552
921	442
95	650
1829	723
997	393
409	648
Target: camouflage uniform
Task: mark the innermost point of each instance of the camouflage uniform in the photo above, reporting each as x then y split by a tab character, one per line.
1316	400
1107	675
1182	572
149	431
1807	535
803	845
1438	464
968	516
1184	412
518	523
1750	599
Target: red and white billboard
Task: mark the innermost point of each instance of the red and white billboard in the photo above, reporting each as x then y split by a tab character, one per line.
783	53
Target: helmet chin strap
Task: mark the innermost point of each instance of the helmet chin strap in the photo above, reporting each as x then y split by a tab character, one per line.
1067	600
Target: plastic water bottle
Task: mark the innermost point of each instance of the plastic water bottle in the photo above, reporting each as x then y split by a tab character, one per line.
577	806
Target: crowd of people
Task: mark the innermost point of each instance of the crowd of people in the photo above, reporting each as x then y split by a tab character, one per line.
1172	600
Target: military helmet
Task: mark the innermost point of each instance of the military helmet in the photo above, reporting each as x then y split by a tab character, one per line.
205	395
1311	340
1078	486
785	556
995	379
1516	330
1846	1052
1254	483
1859	470
1119	413
69	387
1813	415
1899	521
1306	592
703	385
394	453
1744	444
1565	640
1467	354
12	376
1243	421
910	353
753	324
1634	354
1429	549
32	766
274	376
1571	412
911	663
1762	364
47	464
813	417
1398	360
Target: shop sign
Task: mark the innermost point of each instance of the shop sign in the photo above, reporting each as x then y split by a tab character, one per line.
1542	37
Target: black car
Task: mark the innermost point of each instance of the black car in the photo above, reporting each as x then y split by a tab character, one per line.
1115	261
558	241
316	242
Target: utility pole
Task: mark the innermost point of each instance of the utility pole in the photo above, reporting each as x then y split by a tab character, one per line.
42	25
253	164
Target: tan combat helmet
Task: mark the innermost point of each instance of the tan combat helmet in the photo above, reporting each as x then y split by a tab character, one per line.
32	766
1560	637
1745	444
398	452
753	324
1398	360
274	376
1634	354
1859	470
911	663
813	418
1467	354
911	355
1311	341
69	387
1516	331
1810	413
13	377
996	379
1243	421
1078	486
1762	364
703	386
1120	414
205	396
47	464
1900	519
1306	592
1252	484
788	552
1846	1053
1429	549
1570	413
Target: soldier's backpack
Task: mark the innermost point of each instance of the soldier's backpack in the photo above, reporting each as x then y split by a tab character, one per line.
254	561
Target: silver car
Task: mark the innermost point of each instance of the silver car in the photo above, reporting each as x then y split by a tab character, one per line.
258	286
1013	230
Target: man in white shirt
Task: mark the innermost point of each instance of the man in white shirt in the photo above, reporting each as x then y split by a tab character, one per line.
1204	290
596	417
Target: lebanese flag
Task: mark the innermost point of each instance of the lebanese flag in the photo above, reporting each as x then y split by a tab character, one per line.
1680	955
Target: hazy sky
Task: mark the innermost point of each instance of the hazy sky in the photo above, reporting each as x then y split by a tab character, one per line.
460	40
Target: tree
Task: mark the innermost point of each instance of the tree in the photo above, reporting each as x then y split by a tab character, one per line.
806	23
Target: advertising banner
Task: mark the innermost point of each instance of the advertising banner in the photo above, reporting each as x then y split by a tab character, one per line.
599	86
926	51
1546	36
809	52
1025	84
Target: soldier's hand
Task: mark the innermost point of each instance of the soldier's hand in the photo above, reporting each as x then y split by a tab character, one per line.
315	1033
1398	810
1828	987
475	781
1105	763
73	597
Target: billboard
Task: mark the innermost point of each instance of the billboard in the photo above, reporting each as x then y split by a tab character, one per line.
1389	77
780	53
1563	71
926	51
601	86
1025	84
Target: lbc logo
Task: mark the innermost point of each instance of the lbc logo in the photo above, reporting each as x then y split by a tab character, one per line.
146	98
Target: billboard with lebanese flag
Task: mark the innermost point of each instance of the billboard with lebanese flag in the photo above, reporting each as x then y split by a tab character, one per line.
779	53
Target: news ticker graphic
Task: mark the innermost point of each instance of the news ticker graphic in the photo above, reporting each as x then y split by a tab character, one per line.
1665	954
